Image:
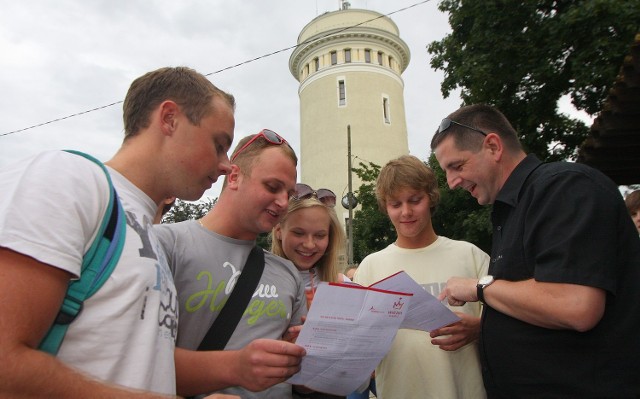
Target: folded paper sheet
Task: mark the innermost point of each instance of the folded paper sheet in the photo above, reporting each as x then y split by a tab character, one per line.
425	312
350	328
348	331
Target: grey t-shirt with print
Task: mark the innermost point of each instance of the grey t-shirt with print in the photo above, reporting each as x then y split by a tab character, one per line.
206	266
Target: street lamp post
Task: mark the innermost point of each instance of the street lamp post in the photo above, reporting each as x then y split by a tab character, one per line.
350	197
349	201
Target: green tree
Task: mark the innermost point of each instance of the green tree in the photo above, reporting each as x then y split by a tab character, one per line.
183	210
458	215
523	56
264	240
372	230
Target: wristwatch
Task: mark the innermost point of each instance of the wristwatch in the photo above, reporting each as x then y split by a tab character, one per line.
483	283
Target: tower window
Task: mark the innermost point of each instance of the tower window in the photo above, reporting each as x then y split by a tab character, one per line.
347	55
380	57
390	62
334	58
367	55
316	64
385	110
342	93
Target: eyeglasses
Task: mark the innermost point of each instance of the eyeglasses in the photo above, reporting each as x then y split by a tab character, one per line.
324	195
269	135
446	124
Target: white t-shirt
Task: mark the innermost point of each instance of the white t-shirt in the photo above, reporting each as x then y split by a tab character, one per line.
413	367
50	209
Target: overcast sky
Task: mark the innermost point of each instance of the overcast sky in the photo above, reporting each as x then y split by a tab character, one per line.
59	58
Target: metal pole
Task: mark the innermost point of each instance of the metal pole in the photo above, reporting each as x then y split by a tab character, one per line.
350	198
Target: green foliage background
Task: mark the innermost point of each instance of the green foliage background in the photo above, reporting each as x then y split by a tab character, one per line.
372	230
183	210
523	56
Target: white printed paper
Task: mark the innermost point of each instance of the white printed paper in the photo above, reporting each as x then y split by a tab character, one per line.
425	312
348	330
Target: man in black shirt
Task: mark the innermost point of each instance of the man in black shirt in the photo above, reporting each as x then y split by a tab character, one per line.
562	302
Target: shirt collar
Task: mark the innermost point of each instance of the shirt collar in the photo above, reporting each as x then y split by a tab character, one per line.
513	186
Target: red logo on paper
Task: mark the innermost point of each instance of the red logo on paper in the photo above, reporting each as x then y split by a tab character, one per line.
399	304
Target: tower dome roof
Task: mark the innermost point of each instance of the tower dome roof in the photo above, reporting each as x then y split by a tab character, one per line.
345	26
343	19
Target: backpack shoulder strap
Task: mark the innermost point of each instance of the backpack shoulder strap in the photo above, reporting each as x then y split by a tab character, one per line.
97	264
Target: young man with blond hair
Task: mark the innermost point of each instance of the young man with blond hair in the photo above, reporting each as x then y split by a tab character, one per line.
206	257
442	363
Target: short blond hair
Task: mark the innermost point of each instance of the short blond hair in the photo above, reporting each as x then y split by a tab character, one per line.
191	90
247	158
406	171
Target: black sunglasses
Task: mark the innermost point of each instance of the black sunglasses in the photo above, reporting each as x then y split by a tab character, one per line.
269	135
446	124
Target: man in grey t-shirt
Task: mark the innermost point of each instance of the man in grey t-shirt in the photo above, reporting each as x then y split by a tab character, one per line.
206	258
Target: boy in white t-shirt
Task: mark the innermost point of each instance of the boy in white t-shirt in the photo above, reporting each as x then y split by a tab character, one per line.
443	363
178	129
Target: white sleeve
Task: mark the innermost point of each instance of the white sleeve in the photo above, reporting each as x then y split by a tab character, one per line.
51	207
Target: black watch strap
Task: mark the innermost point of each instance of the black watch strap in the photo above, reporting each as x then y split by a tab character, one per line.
480	292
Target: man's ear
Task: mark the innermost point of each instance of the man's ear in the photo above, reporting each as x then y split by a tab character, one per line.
169	112
493	143
234	177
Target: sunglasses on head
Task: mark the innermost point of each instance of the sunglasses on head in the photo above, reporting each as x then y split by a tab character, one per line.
269	135
324	195
446	124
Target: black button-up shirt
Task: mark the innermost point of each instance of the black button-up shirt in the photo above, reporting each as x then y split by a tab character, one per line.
564	223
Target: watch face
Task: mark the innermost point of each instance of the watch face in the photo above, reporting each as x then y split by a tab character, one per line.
485	280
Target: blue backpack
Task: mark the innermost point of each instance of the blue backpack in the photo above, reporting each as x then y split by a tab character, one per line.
97	265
